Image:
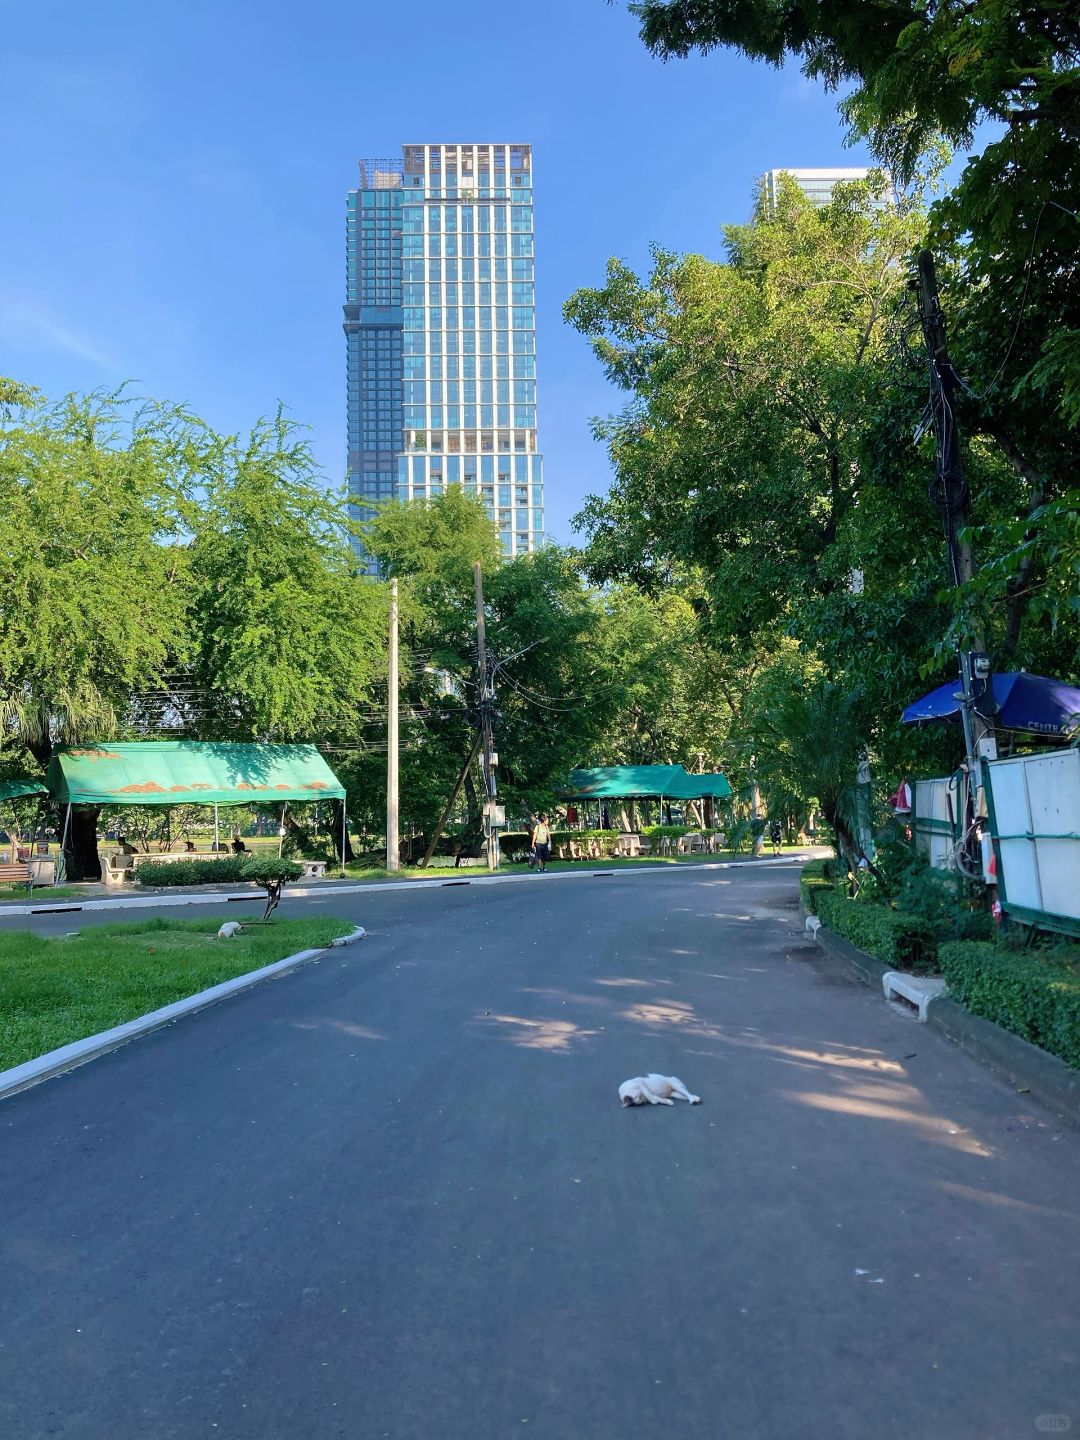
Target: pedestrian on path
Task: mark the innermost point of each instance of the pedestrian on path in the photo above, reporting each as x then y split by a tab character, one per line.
541	842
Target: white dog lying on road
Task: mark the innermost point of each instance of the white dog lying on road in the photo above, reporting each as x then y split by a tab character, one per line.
655	1090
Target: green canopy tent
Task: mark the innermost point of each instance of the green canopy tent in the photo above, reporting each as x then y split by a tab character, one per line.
20	789
711	786
190	772
624	782
644	782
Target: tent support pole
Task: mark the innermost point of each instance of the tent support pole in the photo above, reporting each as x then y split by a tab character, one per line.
61	869
344	822
281	829
217	836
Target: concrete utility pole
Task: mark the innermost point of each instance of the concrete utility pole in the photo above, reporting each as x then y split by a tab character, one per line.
392	844
487	697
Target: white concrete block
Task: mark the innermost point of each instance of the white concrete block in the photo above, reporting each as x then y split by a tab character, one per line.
918	990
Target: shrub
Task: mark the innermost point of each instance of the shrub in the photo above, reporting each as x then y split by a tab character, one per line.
268	869
816	877
1033	998
190	872
903	941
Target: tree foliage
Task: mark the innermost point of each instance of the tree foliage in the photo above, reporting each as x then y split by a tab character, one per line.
1008	232
94	579
286	636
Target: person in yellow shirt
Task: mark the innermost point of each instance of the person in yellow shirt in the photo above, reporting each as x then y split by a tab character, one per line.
541	842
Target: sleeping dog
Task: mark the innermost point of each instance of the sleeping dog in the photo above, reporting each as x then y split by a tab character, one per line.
655	1090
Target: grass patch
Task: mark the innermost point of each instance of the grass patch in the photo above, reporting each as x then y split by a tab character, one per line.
41	895
56	990
816	876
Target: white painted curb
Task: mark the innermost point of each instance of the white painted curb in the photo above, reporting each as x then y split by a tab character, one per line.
375	887
67	1057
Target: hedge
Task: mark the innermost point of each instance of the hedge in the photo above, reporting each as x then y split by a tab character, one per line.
815	878
903	941
1032	998
191	872
259	868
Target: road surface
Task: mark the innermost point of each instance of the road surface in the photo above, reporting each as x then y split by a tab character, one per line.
393	1195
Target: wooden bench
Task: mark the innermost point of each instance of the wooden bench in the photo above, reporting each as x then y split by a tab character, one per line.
20	874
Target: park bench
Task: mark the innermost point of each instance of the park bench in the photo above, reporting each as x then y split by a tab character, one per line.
115	869
20	874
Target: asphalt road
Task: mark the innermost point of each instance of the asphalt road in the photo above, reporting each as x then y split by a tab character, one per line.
394	1195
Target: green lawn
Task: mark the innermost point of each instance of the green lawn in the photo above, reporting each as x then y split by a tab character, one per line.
41	895
54	991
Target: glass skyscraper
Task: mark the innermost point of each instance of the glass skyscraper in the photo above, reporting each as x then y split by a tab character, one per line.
440	324
817	185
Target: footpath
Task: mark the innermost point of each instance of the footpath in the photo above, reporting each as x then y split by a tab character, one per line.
250	894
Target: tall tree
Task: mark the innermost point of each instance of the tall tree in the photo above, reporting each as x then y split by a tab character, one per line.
288	633
1009	229
94	579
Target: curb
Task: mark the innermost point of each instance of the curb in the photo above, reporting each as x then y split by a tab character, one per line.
79	1052
1023	1066
375	887
870	970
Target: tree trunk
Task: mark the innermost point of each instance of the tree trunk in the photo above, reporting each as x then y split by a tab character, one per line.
81	853
472	804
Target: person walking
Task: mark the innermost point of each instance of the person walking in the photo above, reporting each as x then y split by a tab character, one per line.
776	835
541	842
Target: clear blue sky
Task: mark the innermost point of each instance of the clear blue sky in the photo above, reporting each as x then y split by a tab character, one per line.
174	175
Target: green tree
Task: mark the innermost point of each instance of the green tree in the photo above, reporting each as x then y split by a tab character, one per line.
767	447
94	575
1008	230
763	444
288	634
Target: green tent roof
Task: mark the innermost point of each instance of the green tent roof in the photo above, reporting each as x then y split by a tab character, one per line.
627	782
16	789
711	786
190	772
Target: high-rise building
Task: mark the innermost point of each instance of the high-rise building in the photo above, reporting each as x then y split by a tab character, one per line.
816	185
440	324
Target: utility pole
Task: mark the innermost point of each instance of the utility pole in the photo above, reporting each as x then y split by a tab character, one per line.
951	495
392	844
487	697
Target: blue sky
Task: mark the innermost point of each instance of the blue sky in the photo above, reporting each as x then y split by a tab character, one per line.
174	178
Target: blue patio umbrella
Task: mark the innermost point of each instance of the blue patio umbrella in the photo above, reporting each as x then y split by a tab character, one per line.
1032	703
